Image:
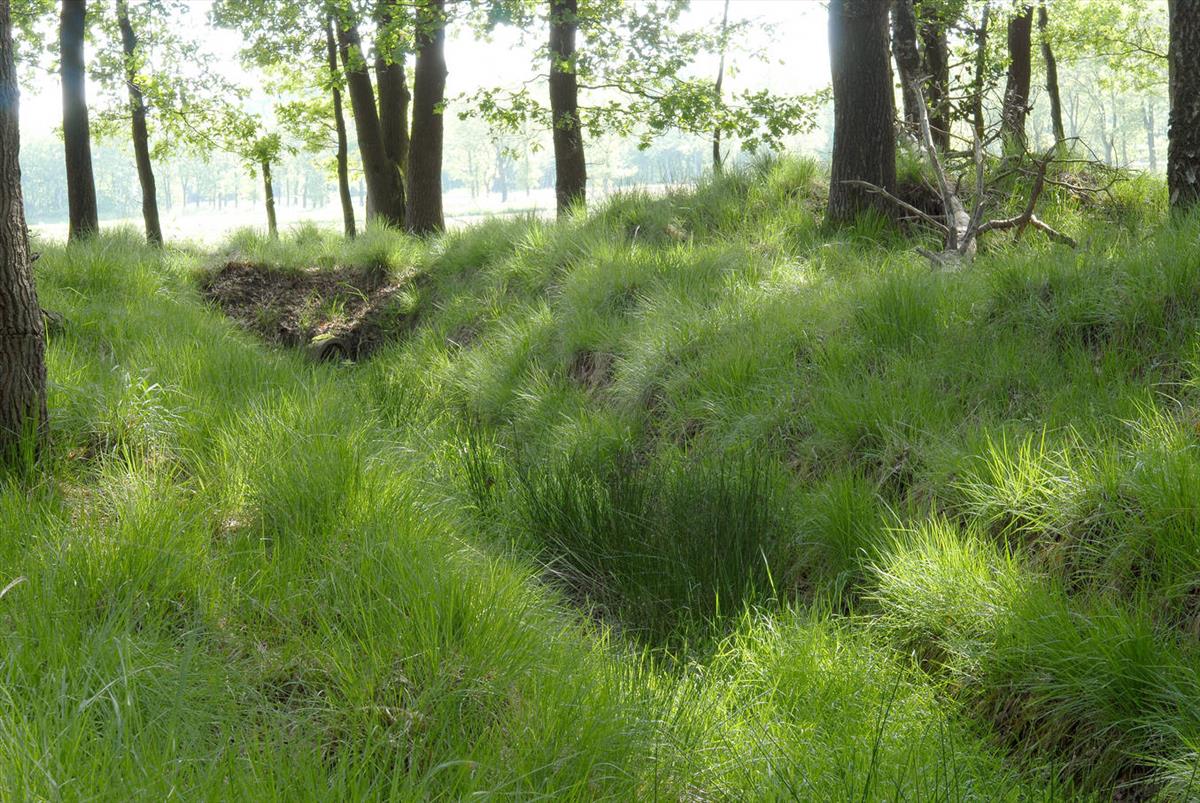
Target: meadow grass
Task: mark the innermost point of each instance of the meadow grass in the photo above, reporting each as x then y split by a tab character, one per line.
689	498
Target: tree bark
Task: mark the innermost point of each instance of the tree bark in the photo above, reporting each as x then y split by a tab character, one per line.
425	148
339	122
981	36
77	137
1056	115
385	187
1020	71
394	96
141	137
22	342
936	63
1183	141
269	195
908	62
864	138
570	167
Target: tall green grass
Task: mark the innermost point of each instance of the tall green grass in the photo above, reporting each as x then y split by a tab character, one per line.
239	575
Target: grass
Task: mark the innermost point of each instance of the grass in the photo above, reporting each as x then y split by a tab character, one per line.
690	498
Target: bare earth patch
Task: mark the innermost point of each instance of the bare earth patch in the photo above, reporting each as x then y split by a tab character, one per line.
333	313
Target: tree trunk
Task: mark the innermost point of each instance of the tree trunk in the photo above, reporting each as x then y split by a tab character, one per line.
981	35
22	343
339	122
1183	140
908	62
864	138
1148	122
385	187
393	90
570	167
269	195
1020	72
425	149
1056	115
936	52
141	138
716	142
77	137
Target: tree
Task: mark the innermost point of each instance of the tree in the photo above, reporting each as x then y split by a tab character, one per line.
385	184
425	148
935	63
22	342
394	96
1056	116
77	138
339	121
864	142
718	85
1020	72
1183	147
570	167
908	61
979	84
140	133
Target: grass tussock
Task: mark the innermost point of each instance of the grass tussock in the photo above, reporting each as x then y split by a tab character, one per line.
691	498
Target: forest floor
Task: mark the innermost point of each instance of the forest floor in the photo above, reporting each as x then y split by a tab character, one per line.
691	498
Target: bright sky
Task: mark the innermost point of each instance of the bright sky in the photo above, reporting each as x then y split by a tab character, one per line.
796	37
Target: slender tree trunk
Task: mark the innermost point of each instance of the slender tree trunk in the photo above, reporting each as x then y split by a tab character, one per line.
22	341
936	52
425	149
1056	115
385	187
394	96
570	167
981	36
716	142
339	122
1183	140
141	137
269	195
908	62
1020	72
77	137
1148	122
864	138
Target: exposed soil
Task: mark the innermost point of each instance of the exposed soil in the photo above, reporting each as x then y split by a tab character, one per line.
334	314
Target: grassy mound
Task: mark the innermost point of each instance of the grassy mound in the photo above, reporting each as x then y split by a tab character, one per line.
839	527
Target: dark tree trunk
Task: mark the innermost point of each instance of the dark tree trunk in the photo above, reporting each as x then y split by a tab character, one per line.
385	187
720	82
339	122
864	138
77	137
570	167
1183	140
425	149
22	343
269	195
1056	115
936	65
1148	122
394	96
1020	72
908	62
978	90
141	138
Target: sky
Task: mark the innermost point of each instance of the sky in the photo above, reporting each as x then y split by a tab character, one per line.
794	32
